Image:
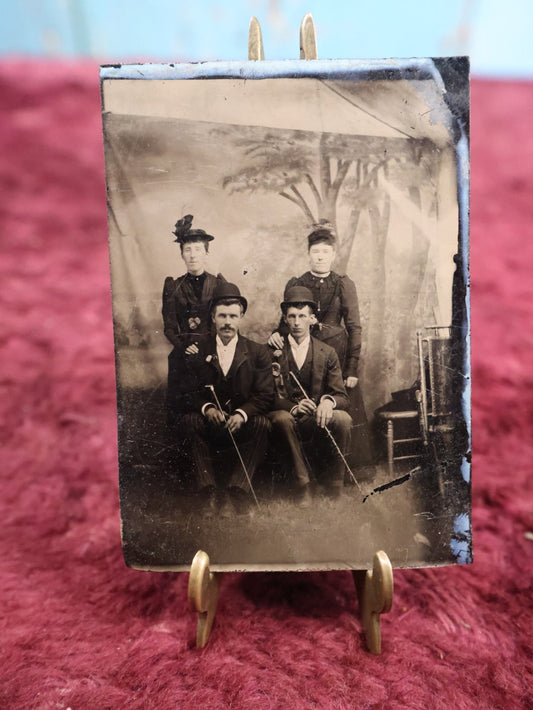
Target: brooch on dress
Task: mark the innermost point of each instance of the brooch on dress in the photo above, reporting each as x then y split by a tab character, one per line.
276	367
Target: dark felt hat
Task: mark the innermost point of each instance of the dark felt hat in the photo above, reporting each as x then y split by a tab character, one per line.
184	233
298	294
322	233
226	290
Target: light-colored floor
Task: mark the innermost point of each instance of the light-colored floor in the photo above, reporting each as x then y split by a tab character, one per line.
411	522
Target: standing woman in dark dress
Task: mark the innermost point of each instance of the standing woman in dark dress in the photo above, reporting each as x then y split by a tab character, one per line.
338	325
186	307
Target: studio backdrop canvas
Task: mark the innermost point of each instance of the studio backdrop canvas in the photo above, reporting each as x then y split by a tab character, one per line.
257	152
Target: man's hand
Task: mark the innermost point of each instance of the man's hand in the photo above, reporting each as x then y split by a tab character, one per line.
349	382
215	417
305	406
192	349
234	423
276	340
324	413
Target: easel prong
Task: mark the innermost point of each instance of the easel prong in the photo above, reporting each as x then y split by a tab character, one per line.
375	590
203	596
308	49
255	41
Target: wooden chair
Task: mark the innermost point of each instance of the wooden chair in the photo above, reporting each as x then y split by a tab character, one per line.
434	354
399	444
432	414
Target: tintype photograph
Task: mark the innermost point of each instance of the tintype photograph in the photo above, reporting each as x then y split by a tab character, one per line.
289	267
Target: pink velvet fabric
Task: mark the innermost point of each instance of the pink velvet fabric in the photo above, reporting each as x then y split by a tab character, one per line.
79	629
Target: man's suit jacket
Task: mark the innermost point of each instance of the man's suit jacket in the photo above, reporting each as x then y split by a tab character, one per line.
339	324
249	380
326	377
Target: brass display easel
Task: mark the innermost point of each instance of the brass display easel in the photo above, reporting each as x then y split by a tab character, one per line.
374	587
374	591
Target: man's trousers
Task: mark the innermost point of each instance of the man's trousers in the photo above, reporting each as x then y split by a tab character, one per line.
301	440
214	454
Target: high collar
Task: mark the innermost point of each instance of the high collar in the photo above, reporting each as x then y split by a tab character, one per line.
231	344
299	346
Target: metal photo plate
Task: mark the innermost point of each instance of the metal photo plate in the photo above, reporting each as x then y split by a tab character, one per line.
289	264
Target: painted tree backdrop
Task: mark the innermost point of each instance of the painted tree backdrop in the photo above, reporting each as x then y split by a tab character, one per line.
389	191
341	180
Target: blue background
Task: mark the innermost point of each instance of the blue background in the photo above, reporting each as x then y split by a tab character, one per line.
496	34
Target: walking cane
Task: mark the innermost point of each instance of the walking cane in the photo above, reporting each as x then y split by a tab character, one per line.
234	444
330	435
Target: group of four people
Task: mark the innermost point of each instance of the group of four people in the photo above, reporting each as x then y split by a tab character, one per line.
227	393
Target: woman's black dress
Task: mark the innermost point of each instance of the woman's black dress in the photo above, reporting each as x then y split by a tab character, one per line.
185	315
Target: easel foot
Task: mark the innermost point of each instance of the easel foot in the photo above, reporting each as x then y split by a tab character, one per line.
375	590
203	596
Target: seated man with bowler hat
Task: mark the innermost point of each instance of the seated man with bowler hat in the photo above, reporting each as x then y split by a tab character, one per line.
337	324
231	389
311	399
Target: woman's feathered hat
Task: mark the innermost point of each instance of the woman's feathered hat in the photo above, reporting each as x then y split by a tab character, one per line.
184	233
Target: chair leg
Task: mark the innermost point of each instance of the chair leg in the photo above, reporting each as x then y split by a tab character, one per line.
390	446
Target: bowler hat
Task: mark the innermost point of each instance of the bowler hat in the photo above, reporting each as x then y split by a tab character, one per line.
184	233
226	290
298	294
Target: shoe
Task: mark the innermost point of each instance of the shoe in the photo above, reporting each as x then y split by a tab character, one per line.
208	501
333	492
226	509
241	500
303	497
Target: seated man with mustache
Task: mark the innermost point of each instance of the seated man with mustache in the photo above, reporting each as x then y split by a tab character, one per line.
231	389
